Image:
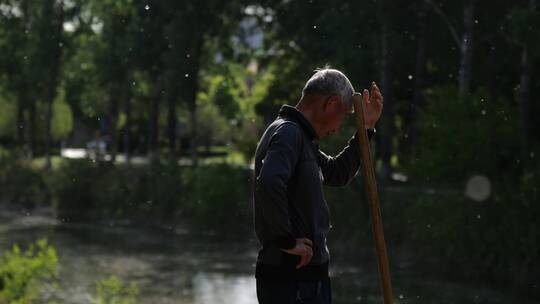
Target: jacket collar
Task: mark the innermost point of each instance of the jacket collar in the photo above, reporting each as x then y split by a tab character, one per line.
293	114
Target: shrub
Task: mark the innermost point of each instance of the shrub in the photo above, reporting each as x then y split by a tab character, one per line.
157	191
463	136
113	291
74	185
24	275
86	190
21	184
219	197
210	196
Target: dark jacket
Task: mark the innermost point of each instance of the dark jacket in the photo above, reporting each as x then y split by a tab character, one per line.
289	203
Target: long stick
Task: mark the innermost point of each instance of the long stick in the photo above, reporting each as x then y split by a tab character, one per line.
373	199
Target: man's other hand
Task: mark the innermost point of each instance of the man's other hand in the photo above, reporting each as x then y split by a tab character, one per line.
303	248
373	105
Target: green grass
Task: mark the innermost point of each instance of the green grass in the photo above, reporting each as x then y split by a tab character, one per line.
229	156
232	158
39	162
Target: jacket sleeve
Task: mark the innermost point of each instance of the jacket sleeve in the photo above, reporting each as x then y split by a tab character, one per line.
271	184
339	170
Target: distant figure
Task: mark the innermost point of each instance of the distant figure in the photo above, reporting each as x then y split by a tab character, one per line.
291	216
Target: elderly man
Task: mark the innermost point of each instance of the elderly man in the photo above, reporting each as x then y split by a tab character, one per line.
291	216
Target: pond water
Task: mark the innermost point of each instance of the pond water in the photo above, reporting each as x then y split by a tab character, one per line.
191	267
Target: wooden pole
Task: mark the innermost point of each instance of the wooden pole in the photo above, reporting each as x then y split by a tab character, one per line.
373	200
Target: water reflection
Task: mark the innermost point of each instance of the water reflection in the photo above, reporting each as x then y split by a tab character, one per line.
219	288
167	266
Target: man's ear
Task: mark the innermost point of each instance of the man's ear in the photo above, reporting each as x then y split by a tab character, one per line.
333	101
330	102
325	104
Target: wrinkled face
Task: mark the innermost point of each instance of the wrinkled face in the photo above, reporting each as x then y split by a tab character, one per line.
332	114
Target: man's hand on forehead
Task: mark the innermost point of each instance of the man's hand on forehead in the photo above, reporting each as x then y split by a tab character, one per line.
373	105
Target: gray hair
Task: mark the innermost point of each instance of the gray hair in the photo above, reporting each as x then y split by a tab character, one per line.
327	82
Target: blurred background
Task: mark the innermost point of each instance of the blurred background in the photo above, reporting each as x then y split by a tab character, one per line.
128	127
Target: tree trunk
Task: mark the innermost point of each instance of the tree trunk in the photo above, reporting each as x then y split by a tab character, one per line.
48	118
127	126
153	126
192	81
21	102
22	88
113	121
492	76
419	75
193	133
387	123
526	120
32	127
53	82
466	49
171	120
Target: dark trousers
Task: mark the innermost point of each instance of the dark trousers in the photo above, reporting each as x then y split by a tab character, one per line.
294	292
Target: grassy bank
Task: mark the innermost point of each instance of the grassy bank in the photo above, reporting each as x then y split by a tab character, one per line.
209	196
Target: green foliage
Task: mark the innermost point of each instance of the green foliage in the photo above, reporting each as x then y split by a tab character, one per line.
7	114
225	109
147	193
530	179
216	127
219	197
479	239
283	85
349	215
72	185
208	196
31	275
20	183
439	227
114	291
90	190
61	124
225	94
460	137
62	119
24	275
524	27
444	229
246	134
82	89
